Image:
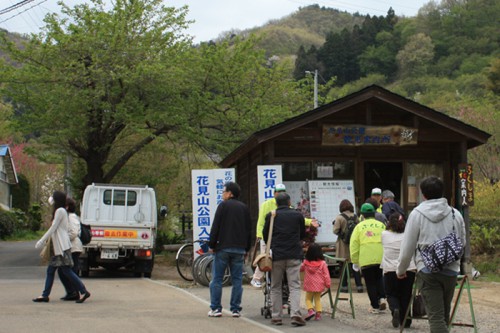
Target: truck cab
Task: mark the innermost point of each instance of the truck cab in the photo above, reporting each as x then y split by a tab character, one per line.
123	219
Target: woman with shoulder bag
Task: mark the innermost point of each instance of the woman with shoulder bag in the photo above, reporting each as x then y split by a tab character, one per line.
61	259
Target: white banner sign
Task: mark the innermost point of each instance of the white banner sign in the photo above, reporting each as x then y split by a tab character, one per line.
325	197
267	177
207	188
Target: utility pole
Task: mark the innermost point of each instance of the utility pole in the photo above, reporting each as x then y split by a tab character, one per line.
315	87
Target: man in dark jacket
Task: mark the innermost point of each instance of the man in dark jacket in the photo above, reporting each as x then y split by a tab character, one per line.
230	241
286	246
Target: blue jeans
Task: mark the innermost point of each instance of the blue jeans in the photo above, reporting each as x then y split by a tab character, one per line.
222	259
70	288
66	270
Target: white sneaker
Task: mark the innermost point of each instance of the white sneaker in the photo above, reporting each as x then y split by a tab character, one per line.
215	313
256	283
236	314
382	304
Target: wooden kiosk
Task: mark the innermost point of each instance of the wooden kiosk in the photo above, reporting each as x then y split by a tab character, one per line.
374	137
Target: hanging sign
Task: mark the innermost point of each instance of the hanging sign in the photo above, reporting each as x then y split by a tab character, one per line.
466	184
362	135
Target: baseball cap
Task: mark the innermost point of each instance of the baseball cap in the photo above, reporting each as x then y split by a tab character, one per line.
280	188
376	191
367	208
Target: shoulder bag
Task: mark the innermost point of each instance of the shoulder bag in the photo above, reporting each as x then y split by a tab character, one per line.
264	260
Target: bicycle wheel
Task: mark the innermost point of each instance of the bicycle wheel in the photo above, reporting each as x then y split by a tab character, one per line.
207	268
198	272
184	262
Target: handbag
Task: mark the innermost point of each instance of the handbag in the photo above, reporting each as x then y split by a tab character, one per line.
47	251
418	306
442	252
264	260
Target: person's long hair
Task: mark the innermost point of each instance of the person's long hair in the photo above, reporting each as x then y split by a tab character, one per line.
396	223
314	252
59	201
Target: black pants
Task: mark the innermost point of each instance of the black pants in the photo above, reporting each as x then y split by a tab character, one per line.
399	292
374	281
357	276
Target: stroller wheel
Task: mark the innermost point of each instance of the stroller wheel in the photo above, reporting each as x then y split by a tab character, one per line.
268	314
261	311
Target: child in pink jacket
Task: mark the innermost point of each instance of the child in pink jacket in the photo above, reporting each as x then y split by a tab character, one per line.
316	280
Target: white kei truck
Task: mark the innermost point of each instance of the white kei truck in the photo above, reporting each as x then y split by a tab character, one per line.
123	219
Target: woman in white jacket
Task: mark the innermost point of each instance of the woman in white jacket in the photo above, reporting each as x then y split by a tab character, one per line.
76	250
61	243
398	291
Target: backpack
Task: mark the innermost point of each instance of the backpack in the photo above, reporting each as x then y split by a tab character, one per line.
85	233
352	221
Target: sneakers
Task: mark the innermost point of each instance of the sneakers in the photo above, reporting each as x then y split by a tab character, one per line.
298	321
311	313
360	289
256	283
318	316
215	313
382	304
344	290
374	311
236	314
395	318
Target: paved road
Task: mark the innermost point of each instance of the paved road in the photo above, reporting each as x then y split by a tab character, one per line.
121	304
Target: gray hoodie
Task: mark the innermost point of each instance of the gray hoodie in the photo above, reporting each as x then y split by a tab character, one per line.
428	222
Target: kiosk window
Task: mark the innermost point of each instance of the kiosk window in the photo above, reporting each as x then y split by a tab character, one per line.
296	171
334	170
416	173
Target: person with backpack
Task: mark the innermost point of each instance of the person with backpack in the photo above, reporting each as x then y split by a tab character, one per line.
343	226
429	223
74	231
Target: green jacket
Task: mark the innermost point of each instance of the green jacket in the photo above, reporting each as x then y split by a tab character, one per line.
366	243
268	206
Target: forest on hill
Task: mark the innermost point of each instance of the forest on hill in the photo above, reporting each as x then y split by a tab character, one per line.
113	88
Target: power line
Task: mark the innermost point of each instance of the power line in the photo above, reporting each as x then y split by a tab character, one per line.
15	6
35	5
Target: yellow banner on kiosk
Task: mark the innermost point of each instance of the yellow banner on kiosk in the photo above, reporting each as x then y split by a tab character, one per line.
362	135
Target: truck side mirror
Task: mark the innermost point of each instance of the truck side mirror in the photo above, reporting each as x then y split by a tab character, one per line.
163	211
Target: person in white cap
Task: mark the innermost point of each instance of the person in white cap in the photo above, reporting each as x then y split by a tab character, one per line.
268	206
377	195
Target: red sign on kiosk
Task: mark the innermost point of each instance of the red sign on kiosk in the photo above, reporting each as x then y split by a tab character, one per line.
466	185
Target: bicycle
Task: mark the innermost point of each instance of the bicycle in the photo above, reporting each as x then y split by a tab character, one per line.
185	257
199	269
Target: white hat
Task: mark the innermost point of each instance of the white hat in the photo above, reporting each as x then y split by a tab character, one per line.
280	188
376	191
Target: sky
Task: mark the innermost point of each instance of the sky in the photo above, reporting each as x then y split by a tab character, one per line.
211	17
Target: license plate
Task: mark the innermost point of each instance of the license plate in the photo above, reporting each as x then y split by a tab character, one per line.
109	254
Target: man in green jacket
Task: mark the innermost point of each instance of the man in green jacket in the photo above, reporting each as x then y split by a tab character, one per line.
366	253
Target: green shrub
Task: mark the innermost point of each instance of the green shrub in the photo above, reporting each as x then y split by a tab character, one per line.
35	217
7	224
484	239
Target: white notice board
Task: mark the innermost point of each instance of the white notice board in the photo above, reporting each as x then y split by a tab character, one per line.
325	197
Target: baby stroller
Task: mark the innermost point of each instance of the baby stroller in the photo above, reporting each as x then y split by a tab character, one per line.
266	310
